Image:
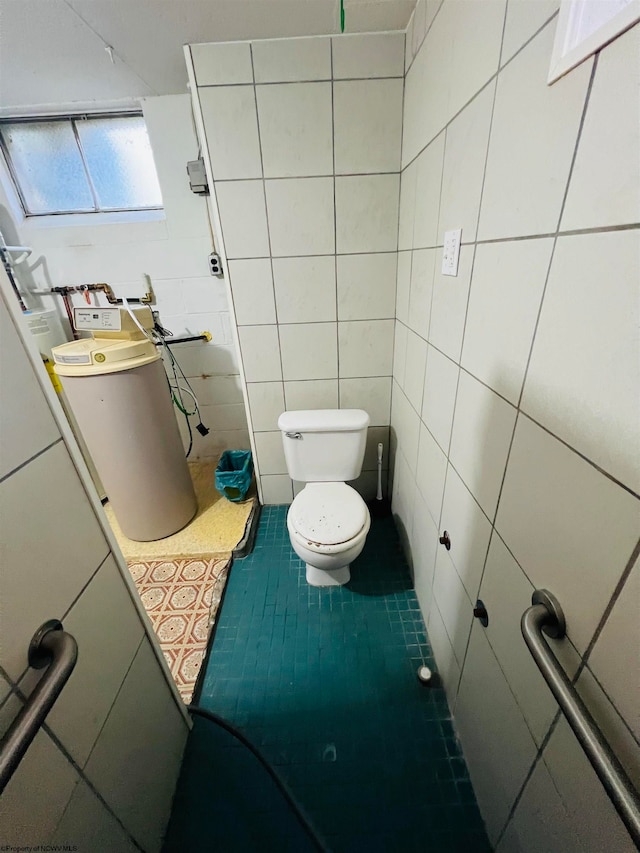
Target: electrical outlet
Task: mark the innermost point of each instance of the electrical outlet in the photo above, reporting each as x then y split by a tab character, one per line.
451	252
215	264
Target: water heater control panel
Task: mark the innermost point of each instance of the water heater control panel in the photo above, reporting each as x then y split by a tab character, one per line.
97	319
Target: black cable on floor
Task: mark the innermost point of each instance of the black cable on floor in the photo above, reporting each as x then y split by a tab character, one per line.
197	711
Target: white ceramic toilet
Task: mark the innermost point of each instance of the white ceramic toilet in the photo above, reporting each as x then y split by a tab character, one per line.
328	521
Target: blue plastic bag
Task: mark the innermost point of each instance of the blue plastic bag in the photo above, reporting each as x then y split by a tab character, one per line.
233	474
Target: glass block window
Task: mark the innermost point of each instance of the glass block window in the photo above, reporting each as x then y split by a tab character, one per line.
81	164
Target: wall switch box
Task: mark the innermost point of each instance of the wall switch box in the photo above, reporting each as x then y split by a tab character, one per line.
451	252
197	176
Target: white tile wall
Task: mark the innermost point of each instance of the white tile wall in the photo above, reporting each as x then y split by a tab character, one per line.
229	114
403	286
281	60
482	430
70	577
219	63
367	213
309	351
464	162
571	529
312	128
603	190
78	716
244	218
524	18
415	369
305	289
496	741
365	347
252	289
427	206
506	593
469	531
86	818
260	348
614	656
58	564
373	395
366	286
439	396
421	291
518	166
22	437
368	55
266	401
270	452
588	395
146	761
449	304
301	216
506	292
580	384
295	129
311	394
367	125
431	472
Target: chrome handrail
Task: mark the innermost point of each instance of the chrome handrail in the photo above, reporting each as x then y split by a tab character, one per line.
54	648
546	615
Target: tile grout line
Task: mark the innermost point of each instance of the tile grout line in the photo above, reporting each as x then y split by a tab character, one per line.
267	223
473	97
335	214
518	410
29	460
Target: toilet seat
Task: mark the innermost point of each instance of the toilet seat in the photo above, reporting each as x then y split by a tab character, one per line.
327	517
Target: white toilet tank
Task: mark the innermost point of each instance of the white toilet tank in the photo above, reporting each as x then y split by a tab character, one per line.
324	445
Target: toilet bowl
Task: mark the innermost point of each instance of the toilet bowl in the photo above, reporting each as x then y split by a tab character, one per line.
328	525
328	521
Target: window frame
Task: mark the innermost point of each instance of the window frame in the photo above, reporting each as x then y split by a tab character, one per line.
71	118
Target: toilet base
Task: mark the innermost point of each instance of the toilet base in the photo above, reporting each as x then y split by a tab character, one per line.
321	577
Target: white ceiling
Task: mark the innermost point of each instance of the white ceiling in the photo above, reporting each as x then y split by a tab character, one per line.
52	52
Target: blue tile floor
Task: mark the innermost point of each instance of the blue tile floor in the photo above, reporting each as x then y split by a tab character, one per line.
323	682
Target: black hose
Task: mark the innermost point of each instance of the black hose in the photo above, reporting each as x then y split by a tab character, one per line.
197	711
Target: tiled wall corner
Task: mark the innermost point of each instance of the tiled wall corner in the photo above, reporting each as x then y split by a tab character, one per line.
307	187
517	433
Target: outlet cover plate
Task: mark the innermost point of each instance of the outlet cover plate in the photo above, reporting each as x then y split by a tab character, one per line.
451	252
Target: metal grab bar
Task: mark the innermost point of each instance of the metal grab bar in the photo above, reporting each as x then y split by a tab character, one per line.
52	647
546	614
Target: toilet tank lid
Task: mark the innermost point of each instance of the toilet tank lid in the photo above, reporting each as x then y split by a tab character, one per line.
323	420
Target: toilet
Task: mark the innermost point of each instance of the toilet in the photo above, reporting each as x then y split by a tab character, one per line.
328	520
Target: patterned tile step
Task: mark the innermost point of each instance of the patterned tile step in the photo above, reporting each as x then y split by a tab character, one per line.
181	598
